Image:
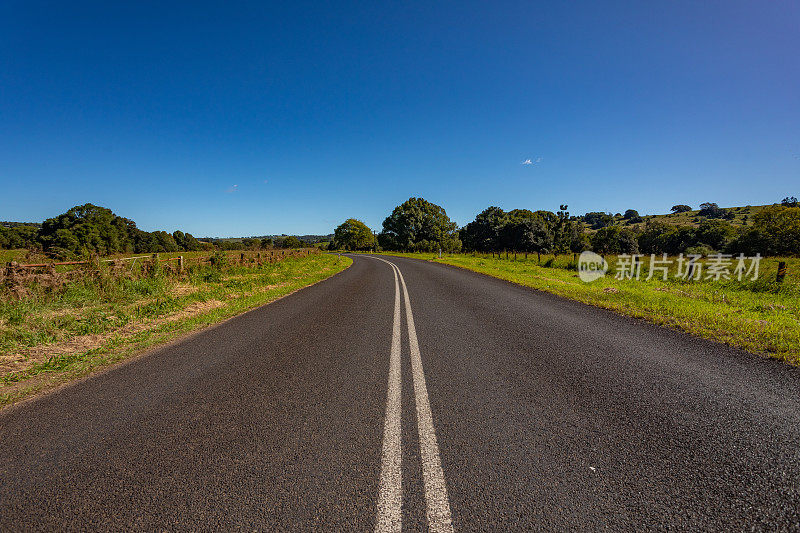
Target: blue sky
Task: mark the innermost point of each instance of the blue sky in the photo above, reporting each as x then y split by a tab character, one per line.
249	118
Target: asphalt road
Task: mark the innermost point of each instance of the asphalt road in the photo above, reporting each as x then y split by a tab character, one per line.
498	408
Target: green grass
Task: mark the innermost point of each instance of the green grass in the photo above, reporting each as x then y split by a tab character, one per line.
762	317
148	305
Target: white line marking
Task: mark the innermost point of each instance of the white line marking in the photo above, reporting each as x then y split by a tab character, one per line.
438	505
390	495
436	500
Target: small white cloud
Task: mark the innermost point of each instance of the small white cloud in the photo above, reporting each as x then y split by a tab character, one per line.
532	161
527	162
233	189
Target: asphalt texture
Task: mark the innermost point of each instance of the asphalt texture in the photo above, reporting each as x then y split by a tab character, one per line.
548	414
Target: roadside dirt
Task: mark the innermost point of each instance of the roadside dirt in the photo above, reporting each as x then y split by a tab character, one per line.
25	359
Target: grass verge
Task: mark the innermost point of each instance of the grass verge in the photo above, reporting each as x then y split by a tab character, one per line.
48	341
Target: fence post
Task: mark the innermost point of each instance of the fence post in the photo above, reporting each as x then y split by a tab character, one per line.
781	272
180	264
11	273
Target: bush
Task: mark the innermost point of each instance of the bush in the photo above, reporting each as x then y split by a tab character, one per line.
219	260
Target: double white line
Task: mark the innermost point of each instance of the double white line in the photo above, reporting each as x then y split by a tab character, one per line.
390	495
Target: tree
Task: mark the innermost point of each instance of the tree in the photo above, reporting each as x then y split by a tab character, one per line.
529	235
164	242
655	237
530	231
710	210
598	219
577	238
790	201
776	231
251	243
419	225
352	235
291	242
93	229
190	244
631	213
19	236
185	241
614	240
680	208
714	233
266	243
485	233
562	231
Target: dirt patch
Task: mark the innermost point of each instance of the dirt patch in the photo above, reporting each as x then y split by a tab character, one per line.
58	313
197	308
183	289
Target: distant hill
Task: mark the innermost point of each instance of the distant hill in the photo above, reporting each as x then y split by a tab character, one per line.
311	239
737	216
7	224
741	216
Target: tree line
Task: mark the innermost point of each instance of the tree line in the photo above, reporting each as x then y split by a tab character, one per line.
90	229
421	226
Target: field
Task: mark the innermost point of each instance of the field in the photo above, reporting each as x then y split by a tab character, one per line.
51	336
760	316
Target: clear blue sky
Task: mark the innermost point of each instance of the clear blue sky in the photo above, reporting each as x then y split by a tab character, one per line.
247	118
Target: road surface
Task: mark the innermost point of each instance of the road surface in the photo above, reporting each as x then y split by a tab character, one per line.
422	397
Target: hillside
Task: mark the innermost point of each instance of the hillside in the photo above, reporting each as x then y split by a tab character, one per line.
737	216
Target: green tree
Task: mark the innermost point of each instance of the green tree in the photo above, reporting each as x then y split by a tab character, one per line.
485	233
419	225
251	244
598	219
164	242
530	235
95	229
615	240
292	242
710	210
680	208
576	237
775	231
190	244
715	233
352	235
19	236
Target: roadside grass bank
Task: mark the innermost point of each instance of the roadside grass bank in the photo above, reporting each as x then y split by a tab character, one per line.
52	337
761	316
